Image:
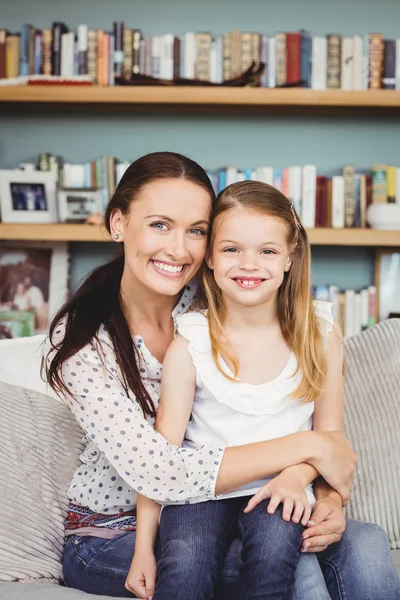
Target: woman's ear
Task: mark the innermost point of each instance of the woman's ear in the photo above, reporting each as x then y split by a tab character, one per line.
117	225
288	263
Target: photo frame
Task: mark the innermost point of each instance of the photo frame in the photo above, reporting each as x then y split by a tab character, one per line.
34	284
75	205
28	196
387	281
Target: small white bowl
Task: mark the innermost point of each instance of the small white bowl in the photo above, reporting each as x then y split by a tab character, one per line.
384	216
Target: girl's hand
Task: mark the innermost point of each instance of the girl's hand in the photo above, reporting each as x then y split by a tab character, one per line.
335	461
141	579
288	489
326	526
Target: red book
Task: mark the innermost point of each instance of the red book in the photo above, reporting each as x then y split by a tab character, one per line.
293	58
321	207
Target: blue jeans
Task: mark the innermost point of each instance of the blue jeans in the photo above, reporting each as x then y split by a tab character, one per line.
195	538
359	567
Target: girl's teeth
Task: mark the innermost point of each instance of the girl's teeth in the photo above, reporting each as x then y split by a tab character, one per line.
169	268
246	282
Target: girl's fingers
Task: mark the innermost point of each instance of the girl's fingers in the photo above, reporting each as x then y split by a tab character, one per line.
287	509
299	508
274	503
261	495
306	515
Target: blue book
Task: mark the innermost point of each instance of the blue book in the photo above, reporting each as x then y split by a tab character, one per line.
357	192
25	37
277	179
38	54
305	67
221	180
248	174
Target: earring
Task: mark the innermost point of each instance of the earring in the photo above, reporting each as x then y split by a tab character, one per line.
116	236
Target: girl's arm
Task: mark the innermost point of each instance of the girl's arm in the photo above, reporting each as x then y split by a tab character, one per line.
177	395
167	473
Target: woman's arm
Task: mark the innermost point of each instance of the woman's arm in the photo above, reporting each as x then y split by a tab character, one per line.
165	472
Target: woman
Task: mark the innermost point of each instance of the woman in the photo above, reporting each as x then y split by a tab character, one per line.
104	356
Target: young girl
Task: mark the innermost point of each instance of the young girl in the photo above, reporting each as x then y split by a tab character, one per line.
264	361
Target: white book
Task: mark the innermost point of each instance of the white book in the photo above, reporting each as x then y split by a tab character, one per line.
82	38
365	62
364	309
240	176
334	298
64	54
155	56
213	62
319	62
120	169
265	174
397	72
253	175
308	195
357	314
231	175
295	187
347	63
271	62
190	56
357	77
338	201
167	53
349	312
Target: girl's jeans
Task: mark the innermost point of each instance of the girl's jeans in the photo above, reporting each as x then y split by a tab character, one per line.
359	567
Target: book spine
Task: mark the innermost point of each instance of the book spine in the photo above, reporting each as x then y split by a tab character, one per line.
349	195
12	55
203	49
137	36
264	60
347	59
24	49
305	59
398	64
47	43
293	58
308	196
357	77
280	59
37	66
389	65
375	60
58	30
92	55
391	175
3	35
333	61
118	58
227	56
319	68
177	58
379	184
338	202
127	47
247	51
271	62
82	50
236	53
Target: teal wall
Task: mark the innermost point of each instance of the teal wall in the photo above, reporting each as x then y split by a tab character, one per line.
328	140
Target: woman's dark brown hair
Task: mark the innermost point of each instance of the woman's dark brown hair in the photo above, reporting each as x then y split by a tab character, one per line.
98	299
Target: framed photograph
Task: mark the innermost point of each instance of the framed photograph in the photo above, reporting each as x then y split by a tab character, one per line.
28	196
76	205
34	284
387	281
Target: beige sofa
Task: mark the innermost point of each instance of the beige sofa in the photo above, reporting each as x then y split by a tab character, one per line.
41	443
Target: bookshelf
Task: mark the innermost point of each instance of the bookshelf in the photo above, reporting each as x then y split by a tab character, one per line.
206	97
61	232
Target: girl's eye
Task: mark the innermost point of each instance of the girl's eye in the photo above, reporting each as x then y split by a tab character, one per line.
267	251
230	250
198	231
160	225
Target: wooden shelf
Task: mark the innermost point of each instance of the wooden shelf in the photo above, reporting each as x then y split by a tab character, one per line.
196	96
61	232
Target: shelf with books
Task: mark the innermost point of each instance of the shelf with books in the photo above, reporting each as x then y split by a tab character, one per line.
206	97
65	232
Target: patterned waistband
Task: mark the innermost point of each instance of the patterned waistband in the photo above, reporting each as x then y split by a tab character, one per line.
82	516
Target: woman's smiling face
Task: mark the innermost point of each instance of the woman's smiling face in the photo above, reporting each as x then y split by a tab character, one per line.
165	234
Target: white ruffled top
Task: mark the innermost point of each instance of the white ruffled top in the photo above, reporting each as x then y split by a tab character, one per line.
236	412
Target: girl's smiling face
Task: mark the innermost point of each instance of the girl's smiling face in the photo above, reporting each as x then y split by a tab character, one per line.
249	255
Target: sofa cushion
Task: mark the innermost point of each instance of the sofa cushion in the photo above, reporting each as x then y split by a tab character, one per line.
24	591
39	451
372	423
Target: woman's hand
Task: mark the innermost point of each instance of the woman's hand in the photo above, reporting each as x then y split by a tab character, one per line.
287	488
326	526
141	579
336	461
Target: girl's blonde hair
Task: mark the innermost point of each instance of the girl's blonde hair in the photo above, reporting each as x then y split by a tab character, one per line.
296	314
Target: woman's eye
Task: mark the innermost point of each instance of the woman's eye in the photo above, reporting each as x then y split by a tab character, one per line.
198	231
159	225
